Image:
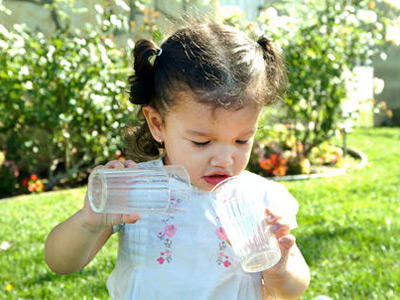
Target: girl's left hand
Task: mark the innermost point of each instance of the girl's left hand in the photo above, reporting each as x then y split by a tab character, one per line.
281	230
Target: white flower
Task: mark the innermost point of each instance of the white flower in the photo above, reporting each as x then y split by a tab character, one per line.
99	9
120	83
271	13
3	44
83	52
98	86
24	71
122	4
131	44
97	99
42	60
19	43
379	85
115	21
51	51
4	31
229	11
368	16
109	43
303	104
28	85
393	35
352	20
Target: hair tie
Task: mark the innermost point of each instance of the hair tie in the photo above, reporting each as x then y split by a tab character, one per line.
152	58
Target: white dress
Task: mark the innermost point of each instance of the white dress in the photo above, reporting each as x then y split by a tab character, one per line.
186	256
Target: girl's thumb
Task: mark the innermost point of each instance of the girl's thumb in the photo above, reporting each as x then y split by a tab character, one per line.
130	219
285	243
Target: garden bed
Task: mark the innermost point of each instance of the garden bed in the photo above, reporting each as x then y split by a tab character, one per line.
355	159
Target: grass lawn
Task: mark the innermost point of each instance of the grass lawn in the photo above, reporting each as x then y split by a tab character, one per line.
349	230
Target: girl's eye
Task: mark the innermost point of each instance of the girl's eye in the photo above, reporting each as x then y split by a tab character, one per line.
242	141
200	143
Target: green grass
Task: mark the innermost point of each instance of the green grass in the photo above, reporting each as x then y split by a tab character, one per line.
349	230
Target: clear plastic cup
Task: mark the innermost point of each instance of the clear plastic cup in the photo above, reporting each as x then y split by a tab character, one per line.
141	190
239	204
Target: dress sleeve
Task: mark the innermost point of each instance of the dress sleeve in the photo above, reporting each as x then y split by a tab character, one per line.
281	203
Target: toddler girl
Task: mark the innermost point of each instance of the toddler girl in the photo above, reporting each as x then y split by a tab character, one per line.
200	97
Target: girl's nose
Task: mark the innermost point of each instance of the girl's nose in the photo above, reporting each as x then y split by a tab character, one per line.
222	158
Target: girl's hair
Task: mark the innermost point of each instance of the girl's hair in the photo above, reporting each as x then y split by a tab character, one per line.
216	64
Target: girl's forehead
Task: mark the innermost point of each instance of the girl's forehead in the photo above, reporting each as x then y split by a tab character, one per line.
199	115
187	103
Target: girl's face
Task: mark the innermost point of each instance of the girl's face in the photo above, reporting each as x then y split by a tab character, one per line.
211	144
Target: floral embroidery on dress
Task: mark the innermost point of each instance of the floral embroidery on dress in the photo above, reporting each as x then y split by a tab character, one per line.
166	235
222	258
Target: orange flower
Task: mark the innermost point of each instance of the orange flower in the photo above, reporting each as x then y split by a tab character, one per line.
32	187
266	164
34	177
280	170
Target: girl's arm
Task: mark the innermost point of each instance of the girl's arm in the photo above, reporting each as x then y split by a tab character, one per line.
290	281
71	245
291	276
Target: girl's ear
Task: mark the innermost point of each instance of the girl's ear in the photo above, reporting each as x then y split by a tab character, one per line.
154	121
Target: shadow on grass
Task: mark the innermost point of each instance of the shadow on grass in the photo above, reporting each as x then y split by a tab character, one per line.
48	275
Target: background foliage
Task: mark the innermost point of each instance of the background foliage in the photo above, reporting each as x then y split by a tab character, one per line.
62	100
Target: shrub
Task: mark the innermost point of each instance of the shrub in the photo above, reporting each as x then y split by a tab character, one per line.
62	102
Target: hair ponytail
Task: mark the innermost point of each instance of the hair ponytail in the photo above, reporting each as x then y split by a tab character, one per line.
274	67
142	82
140	142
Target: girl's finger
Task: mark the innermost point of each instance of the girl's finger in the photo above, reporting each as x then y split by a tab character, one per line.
130	218
270	218
286	242
114	164
129	164
280	230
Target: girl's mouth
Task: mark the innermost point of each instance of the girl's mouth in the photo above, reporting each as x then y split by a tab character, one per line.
215	179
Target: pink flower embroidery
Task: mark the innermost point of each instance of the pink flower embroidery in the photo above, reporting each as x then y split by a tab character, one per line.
227	263
221	234
161	260
170	230
222	259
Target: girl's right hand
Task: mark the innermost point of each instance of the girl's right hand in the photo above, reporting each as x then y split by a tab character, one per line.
99	221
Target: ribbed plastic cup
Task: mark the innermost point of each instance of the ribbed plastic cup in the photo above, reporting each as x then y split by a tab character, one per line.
239	204
141	190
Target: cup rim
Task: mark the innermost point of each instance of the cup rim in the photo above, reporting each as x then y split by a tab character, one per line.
219	184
